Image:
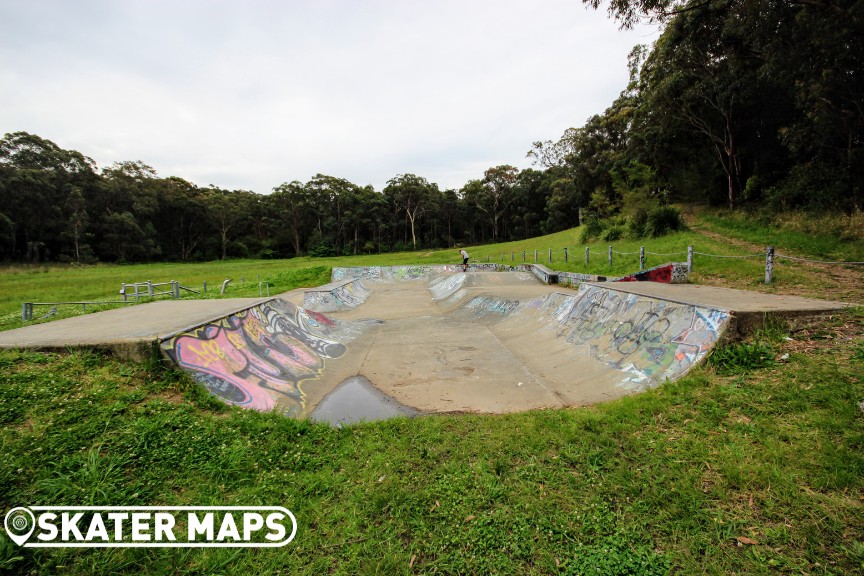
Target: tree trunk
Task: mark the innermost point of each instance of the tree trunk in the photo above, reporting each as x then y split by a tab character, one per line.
413	237
296	242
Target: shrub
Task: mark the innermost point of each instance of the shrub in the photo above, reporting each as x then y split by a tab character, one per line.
663	220
613	233
591	228
637	224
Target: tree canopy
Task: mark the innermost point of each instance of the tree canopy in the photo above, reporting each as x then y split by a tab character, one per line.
742	103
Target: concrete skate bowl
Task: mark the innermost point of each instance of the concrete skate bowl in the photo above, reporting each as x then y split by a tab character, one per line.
412	342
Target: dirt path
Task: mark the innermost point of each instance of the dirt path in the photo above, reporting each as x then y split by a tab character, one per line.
823	281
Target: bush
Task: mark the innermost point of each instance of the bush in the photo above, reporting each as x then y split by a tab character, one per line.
663	220
613	233
591	228
637	224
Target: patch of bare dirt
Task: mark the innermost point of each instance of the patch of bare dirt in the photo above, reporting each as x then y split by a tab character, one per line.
824	333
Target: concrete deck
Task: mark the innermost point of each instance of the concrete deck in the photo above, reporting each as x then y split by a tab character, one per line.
122	329
738	301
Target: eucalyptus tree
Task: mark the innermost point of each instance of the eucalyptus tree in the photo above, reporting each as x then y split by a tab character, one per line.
293	211
130	201
37	178
497	194
410	195
181	220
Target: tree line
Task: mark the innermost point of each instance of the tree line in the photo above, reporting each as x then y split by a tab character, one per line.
755	104
58	206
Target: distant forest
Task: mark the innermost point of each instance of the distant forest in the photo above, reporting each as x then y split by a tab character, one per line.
754	104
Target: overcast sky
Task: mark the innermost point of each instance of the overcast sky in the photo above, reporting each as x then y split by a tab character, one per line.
247	94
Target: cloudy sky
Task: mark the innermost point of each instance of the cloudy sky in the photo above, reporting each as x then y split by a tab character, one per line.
249	94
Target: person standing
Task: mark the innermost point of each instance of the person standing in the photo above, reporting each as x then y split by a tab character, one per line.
464	254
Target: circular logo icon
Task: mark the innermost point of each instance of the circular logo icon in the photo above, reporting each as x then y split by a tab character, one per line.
20	524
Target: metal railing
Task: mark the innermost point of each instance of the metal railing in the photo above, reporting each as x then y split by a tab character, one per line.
27	307
149	289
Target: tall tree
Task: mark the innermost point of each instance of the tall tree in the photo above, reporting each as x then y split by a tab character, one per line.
498	193
410	195
291	203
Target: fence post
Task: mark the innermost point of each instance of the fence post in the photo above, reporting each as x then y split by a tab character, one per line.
242	280
149	288
565	254
550	255
136	292
769	264
224	286
512	256
641	258
689	259
523	256
123	291
26	311
535	256
587	253
610	257
204	291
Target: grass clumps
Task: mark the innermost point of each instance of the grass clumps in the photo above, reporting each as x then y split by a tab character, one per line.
753	353
755	471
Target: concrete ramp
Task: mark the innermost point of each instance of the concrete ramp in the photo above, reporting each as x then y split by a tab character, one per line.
262	357
429	339
431	342
341	295
599	343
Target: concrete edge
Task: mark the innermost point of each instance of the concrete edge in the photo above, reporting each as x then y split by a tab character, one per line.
162	338
612	286
332	285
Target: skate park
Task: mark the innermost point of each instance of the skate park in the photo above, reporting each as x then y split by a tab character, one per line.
379	342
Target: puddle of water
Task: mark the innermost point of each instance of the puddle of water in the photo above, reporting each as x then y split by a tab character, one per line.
357	400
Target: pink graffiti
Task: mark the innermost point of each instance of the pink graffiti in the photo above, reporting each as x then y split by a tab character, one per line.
242	361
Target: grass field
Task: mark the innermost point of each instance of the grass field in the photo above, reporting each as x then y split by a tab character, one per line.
752	464
56	283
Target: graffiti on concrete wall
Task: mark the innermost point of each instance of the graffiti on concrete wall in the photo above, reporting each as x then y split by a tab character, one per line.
445	286
576	278
330	298
650	340
402	273
482	305
258	357
672	273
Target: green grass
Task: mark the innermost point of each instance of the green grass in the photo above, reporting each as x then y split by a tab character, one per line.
56	283
682	479
666	481
837	238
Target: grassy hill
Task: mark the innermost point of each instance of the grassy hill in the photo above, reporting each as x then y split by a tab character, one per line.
752	464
